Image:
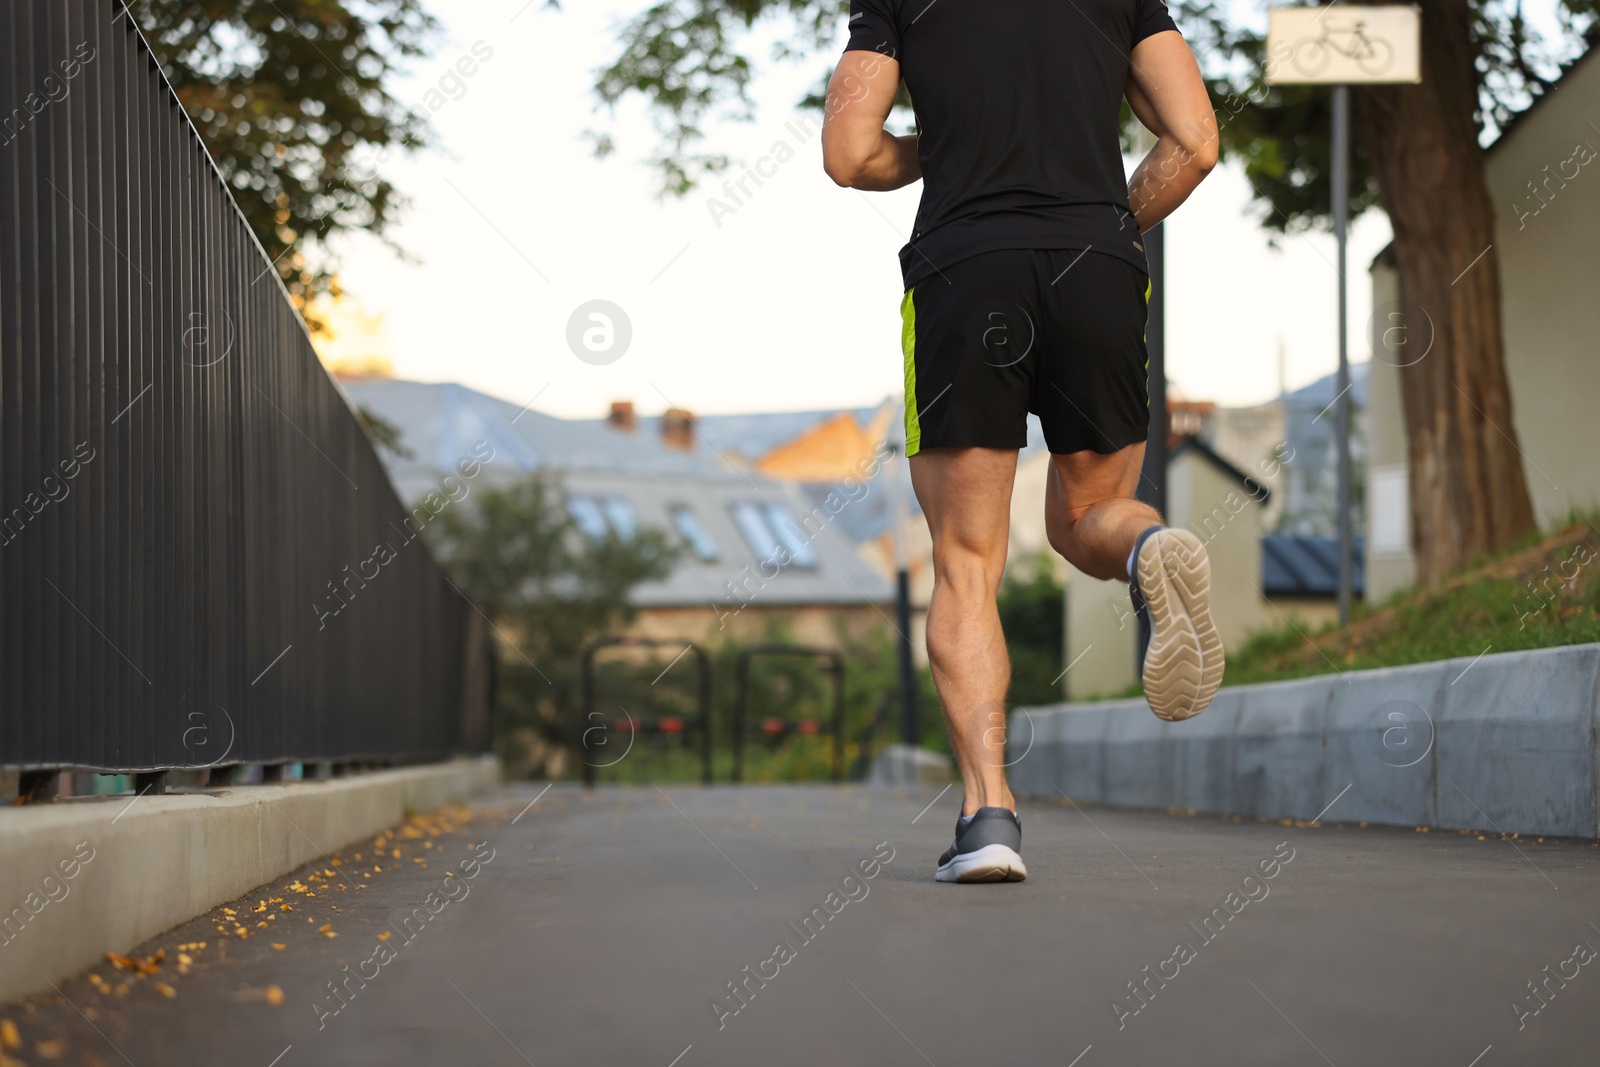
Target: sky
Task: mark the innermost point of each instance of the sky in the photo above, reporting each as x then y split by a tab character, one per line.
788	302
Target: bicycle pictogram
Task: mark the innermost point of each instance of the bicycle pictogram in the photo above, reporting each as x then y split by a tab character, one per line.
1373	55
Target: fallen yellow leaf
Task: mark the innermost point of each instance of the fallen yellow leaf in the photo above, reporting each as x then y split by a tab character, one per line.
278	947
9	1038
147	965
384	936
274	995
50	1050
165	990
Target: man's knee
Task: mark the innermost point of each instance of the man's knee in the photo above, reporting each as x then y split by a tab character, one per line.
969	571
1060	530
1063	532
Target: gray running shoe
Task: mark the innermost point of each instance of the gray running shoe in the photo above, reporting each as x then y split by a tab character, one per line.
987	849
1180	651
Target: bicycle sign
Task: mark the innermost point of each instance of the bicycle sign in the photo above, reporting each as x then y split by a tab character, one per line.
1343	44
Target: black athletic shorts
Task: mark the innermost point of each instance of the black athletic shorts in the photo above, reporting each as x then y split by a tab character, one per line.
1058	332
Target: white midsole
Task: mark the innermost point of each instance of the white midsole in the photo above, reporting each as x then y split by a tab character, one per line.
991	863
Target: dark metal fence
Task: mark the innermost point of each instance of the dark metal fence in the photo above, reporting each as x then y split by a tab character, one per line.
594	732
201	559
832	663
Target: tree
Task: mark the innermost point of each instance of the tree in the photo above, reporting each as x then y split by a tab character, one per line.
291	98
1417	154
1033	617
383	434
547	589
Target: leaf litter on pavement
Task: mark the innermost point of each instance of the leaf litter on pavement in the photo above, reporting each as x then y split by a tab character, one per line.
26	1030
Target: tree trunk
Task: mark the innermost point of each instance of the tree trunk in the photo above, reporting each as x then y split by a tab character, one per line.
1469	494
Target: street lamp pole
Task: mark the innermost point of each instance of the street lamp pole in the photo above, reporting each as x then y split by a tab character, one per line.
910	714
1153	486
1341	220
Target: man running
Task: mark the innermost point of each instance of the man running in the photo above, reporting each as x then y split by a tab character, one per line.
1025	290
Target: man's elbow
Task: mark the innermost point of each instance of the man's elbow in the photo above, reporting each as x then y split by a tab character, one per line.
845	168
843	172
1201	151
846	158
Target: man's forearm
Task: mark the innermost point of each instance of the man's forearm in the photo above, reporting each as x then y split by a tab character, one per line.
891	165
1163	180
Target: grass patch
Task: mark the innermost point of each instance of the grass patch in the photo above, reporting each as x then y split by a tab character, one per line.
1542	593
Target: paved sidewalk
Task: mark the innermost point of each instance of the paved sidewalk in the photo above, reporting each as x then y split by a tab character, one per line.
603	928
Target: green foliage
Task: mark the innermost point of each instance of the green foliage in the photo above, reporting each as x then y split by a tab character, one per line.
1542	594
682	56
781	687
291	98
383	433
548	589
684	59
1033	617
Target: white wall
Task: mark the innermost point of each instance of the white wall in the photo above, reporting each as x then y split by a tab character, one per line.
1390	565
1549	248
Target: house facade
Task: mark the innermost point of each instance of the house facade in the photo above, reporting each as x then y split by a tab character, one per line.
757	551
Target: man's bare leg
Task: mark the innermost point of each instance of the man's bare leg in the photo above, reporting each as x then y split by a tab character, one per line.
1090	514
1092	519
965	495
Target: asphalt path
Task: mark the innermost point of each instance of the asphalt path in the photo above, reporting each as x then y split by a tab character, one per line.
682	926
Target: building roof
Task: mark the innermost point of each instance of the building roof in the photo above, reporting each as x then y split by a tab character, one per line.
744	437
443	423
1320	394
1193	445
1306	566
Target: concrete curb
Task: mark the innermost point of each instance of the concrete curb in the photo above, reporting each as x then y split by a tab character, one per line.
80	879
900	765
1504	742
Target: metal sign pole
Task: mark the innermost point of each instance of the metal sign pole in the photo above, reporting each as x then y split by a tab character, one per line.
1368	44
1341	219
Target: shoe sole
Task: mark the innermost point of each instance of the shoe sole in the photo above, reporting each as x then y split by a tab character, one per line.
991	863
1183	666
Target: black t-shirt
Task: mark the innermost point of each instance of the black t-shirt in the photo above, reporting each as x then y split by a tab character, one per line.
1018	103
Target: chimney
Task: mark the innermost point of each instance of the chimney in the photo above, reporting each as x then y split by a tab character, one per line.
621	417
677	429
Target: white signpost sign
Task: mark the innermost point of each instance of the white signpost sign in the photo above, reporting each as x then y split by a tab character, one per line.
1343	45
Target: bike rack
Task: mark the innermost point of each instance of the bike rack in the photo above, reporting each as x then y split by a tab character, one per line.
665	725
834	666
